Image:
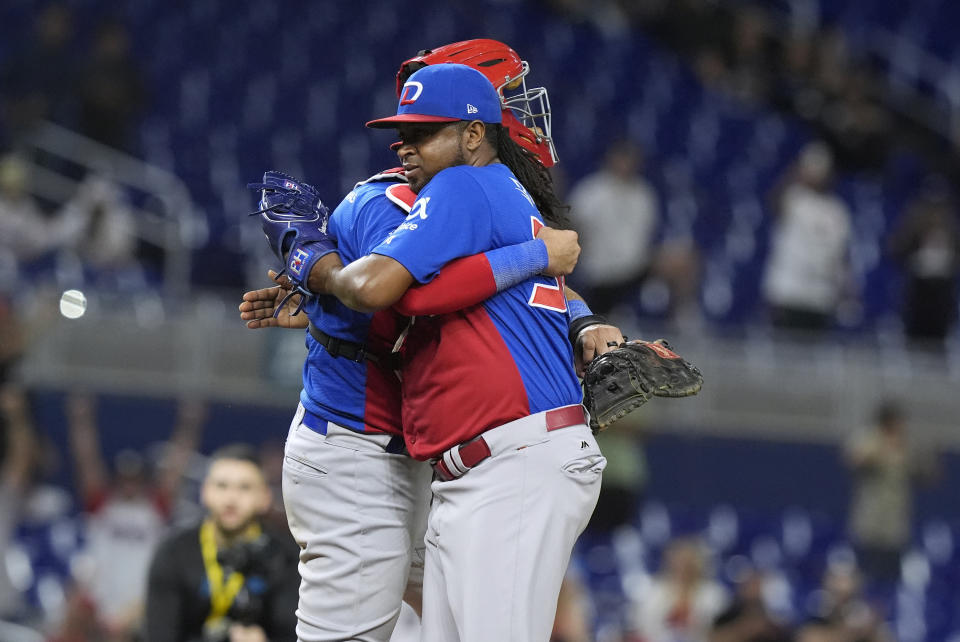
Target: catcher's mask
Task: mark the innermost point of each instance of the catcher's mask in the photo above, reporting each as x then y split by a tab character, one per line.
526	112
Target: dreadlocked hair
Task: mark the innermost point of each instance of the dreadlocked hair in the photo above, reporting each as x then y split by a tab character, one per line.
531	173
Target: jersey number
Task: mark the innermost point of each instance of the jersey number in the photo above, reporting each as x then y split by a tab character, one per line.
550	297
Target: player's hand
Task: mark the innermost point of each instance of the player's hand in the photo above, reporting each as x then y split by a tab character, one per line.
563	249
259	305
593	341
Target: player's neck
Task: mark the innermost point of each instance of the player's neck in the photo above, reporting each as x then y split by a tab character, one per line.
484	158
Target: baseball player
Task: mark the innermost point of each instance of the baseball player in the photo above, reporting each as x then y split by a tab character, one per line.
343	443
489	394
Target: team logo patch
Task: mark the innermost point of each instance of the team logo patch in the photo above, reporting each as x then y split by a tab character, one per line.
411	91
298	260
419	208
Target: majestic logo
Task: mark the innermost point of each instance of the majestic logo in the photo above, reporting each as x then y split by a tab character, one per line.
298	260
471	109
408	97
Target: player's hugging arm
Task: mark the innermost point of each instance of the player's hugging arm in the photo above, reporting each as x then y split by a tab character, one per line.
376	281
450	219
472	279
370	283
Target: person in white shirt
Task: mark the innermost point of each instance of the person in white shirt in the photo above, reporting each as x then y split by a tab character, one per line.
682	602
806	274
616	212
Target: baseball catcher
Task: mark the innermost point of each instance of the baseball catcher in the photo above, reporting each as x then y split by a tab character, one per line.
618	382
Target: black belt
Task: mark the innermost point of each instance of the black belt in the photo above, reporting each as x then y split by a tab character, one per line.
340	347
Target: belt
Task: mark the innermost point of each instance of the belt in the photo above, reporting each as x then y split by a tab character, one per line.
341	347
455	462
316	423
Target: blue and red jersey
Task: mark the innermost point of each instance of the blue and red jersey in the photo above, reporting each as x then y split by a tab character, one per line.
467	371
361	396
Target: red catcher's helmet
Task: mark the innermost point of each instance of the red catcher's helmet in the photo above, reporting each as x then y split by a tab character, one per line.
526	112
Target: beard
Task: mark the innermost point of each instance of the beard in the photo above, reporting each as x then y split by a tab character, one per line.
231	532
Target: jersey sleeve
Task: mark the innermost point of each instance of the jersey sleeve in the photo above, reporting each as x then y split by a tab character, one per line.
450	219
460	284
472	279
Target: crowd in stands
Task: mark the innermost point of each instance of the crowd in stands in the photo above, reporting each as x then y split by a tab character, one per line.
75	563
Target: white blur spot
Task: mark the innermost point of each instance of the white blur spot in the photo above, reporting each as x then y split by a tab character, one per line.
73	304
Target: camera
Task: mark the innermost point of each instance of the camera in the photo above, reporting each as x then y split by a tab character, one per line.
261	565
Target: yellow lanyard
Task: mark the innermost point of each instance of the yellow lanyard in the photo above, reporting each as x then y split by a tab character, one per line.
222	593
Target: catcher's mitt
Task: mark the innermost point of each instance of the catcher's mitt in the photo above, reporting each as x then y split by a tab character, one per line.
620	381
294	220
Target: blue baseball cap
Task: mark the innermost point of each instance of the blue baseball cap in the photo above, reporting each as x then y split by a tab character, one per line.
445	93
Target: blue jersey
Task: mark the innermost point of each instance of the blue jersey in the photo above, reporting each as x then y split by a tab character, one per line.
503	359
361	396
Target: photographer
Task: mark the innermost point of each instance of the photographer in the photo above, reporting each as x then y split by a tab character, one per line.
226	579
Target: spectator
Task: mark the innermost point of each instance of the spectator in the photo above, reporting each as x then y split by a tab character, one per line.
126	513
111	90
926	243
227	578
19	457
97	224
616	211
748	618
806	274
841	614
29	505
682	602
24	232
884	464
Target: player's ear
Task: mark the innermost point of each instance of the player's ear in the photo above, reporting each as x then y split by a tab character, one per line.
473	134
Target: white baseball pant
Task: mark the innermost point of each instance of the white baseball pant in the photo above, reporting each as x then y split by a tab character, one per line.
499	537
358	514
